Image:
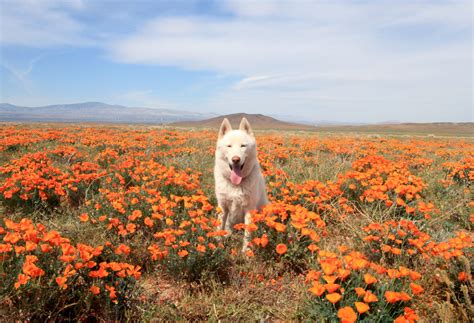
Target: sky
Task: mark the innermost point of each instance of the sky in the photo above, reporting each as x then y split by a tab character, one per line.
346	61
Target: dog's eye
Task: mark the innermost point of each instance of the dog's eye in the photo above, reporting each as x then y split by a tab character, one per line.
243	146
229	146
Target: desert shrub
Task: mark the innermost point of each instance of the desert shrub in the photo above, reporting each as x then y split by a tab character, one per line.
349	287
179	231
188	244
286	233
457	285
461	172
32	181
397	242
375	179
45	276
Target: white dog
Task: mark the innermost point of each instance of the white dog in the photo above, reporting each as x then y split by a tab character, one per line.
240	186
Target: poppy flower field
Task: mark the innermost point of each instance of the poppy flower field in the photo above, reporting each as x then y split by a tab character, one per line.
120	223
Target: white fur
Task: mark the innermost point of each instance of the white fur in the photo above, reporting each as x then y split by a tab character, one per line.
237	200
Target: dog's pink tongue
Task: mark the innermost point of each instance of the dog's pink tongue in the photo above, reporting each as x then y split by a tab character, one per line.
236	176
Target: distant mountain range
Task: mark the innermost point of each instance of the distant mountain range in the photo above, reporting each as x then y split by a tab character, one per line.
96	112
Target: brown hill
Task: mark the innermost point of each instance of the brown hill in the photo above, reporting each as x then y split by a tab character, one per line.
257	121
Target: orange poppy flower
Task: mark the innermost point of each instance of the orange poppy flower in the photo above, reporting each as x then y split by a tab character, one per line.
100	273
84	217
281	249
330	279
131	227
331	288
122	249
361	307
312	275
369	279
462	276
280	227
392	297
410	314
183	253
149	222
369	297
393	273
61	281
343	273
359	291
347	315
317	289
416	289
404	271
112	292
414	275
404	297
359	263
396	251
328	268
264	240
5	247
22	280
333	297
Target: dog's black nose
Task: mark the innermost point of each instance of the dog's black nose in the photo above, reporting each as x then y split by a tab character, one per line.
236	159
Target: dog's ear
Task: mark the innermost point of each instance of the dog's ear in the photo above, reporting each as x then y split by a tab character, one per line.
225	128
245	126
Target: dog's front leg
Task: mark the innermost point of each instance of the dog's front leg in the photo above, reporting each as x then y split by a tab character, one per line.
223	219
247	221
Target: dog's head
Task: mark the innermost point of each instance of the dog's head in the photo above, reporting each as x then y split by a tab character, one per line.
237	149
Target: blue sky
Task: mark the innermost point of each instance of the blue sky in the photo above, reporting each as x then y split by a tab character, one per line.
357	61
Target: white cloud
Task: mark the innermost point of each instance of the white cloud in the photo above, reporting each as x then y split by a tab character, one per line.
41	23
345	60
256	81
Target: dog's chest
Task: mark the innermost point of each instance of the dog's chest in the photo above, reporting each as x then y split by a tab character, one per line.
235	194
229	191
